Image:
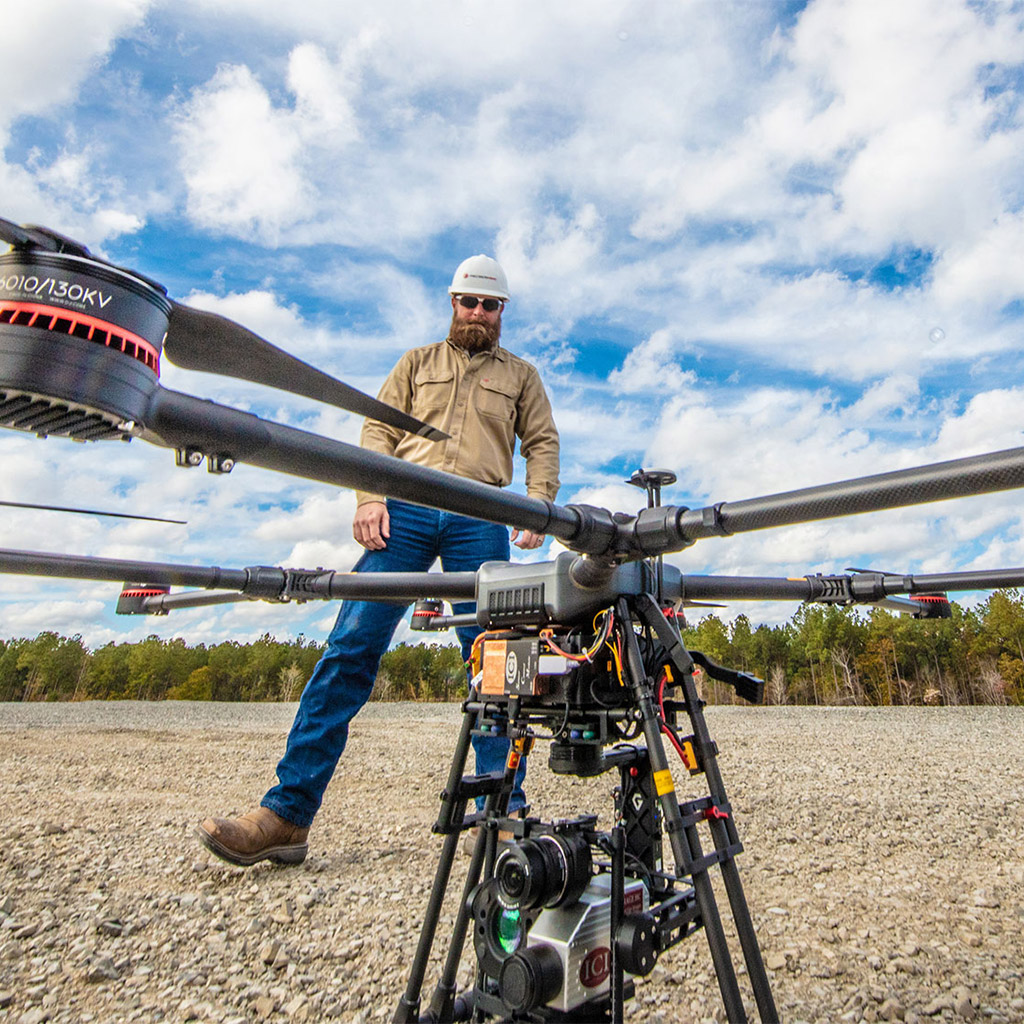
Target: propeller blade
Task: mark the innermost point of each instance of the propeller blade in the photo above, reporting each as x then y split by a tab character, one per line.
197	340
134	601
14	235
41	238
90	512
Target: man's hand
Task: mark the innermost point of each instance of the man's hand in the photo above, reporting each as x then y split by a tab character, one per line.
372	525
528	540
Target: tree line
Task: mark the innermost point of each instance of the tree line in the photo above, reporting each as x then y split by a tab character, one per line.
825	654
53	667
831	654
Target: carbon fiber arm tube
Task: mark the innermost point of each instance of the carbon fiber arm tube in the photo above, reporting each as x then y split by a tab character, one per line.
258	581
981	579
403	586
181	421
661	530
855	588
743	588
40	563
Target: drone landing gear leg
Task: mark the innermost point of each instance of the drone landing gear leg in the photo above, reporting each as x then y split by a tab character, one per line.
719	815
443	1003
688	858
452	822
682	828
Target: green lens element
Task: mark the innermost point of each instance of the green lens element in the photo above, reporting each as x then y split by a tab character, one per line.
508	930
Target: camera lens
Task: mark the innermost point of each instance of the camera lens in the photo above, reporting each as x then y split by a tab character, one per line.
507	928
513	880
530	978
549	871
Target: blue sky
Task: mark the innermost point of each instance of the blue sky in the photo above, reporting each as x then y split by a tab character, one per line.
764	245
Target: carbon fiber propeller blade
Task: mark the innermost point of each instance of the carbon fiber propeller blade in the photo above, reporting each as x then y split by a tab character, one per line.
13	234
41	238
197	340
90	512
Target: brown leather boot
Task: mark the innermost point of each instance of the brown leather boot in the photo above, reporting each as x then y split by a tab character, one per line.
258	835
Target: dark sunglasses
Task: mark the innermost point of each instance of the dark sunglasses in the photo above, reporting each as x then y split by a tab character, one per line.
470	302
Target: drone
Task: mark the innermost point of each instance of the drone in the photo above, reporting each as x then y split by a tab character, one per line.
584	652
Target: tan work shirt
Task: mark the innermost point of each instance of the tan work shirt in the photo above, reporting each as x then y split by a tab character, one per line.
484	402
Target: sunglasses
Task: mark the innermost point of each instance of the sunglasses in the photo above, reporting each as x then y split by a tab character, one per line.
470	302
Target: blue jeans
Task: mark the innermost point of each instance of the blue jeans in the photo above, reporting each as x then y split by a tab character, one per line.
343	678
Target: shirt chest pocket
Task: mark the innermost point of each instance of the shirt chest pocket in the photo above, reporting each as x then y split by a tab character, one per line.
433	389
497	399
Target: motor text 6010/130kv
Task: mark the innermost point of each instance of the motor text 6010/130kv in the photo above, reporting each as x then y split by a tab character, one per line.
54	288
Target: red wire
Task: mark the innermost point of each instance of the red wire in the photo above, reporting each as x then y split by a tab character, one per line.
675	743
664	726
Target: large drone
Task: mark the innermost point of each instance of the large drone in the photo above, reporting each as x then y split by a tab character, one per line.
80	347
585	646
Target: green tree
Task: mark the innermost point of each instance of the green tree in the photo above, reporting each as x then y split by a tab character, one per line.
1000	641
227	670
831	637
420	672
12	677
54	667
198	686
108	675
155	665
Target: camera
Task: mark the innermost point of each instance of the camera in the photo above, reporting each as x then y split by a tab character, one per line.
542	922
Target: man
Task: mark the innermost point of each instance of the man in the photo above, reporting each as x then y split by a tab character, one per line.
483	397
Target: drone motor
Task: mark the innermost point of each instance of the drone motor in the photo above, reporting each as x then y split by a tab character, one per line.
80	345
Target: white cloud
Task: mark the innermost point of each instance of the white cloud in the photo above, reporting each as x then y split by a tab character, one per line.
896	394
51	46
651	367
63	617
982	271
51	49
990	422
316	533
240	158
320	95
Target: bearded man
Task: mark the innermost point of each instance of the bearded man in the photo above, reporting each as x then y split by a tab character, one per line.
483	397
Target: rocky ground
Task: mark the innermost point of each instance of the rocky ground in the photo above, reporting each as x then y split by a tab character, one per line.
883	865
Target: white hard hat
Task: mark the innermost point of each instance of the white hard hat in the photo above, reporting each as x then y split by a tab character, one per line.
480	275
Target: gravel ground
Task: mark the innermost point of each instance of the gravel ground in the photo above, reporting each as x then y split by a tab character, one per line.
882	865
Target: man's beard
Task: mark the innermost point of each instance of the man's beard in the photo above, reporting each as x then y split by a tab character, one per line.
474	336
